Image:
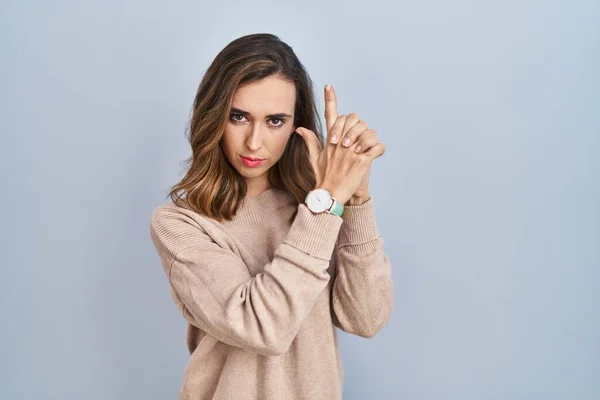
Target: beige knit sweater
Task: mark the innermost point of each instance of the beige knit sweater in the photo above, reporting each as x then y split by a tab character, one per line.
263	293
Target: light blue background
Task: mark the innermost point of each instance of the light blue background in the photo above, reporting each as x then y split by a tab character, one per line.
488	196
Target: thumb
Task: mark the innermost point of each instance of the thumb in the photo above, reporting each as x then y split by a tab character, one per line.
312	142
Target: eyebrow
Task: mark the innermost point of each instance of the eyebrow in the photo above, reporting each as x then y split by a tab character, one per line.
246	113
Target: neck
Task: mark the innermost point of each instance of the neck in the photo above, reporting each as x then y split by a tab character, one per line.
255	188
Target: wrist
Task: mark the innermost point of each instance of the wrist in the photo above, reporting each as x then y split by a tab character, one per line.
358	200
336	194
321	199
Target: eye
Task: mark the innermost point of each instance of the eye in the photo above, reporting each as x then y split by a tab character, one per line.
278	119
275	122
233	117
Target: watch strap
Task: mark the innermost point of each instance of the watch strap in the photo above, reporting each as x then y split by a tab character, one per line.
336	207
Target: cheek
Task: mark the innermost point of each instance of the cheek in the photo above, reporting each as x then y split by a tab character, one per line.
229	147
280	143
230	139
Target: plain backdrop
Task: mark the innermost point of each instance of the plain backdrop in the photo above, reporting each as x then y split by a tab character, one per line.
488	196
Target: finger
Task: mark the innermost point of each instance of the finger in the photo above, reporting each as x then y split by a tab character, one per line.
365	141
312	142
351	121
311	139
337	128
376	151
331	112
354	132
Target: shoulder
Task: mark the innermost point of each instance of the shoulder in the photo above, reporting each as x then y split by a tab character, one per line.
177	226
169	214
176	229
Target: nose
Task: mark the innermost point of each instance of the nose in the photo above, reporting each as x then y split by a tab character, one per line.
254	140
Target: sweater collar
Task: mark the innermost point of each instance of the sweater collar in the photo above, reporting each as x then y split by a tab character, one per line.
257	209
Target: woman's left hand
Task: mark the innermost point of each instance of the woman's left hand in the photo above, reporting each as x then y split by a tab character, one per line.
357	137
364	141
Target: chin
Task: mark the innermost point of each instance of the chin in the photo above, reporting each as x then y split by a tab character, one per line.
248	172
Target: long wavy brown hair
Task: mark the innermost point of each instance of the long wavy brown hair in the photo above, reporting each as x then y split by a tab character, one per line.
211	185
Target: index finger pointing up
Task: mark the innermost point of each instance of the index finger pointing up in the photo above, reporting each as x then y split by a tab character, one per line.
331	113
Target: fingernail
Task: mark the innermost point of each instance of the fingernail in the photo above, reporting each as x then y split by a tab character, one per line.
327	88
347	142
334	139
357	149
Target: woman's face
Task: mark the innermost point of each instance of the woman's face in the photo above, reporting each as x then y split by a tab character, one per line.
259	126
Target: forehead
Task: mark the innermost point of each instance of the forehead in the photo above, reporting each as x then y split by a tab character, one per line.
267	96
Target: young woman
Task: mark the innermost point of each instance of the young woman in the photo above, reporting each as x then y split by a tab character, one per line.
270	241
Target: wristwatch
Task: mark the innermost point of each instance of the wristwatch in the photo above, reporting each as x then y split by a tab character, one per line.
320	201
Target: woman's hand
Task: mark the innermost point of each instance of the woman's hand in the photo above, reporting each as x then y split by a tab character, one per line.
357	136
349	141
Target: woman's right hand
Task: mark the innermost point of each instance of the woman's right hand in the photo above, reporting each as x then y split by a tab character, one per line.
338	168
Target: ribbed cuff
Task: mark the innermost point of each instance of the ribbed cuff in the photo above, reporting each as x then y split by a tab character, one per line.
360	224
315	234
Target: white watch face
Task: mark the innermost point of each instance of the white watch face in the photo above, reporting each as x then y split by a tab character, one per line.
318	200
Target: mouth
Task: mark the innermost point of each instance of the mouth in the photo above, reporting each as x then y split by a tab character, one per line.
252	161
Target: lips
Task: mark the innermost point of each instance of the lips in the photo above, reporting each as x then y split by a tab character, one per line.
251	161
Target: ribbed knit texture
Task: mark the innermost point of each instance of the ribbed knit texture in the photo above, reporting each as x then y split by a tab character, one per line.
263	293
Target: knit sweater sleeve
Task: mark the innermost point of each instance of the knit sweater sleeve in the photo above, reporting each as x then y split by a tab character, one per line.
363	292
212	286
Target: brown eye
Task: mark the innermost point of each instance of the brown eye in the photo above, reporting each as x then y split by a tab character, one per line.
234	119
277	119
